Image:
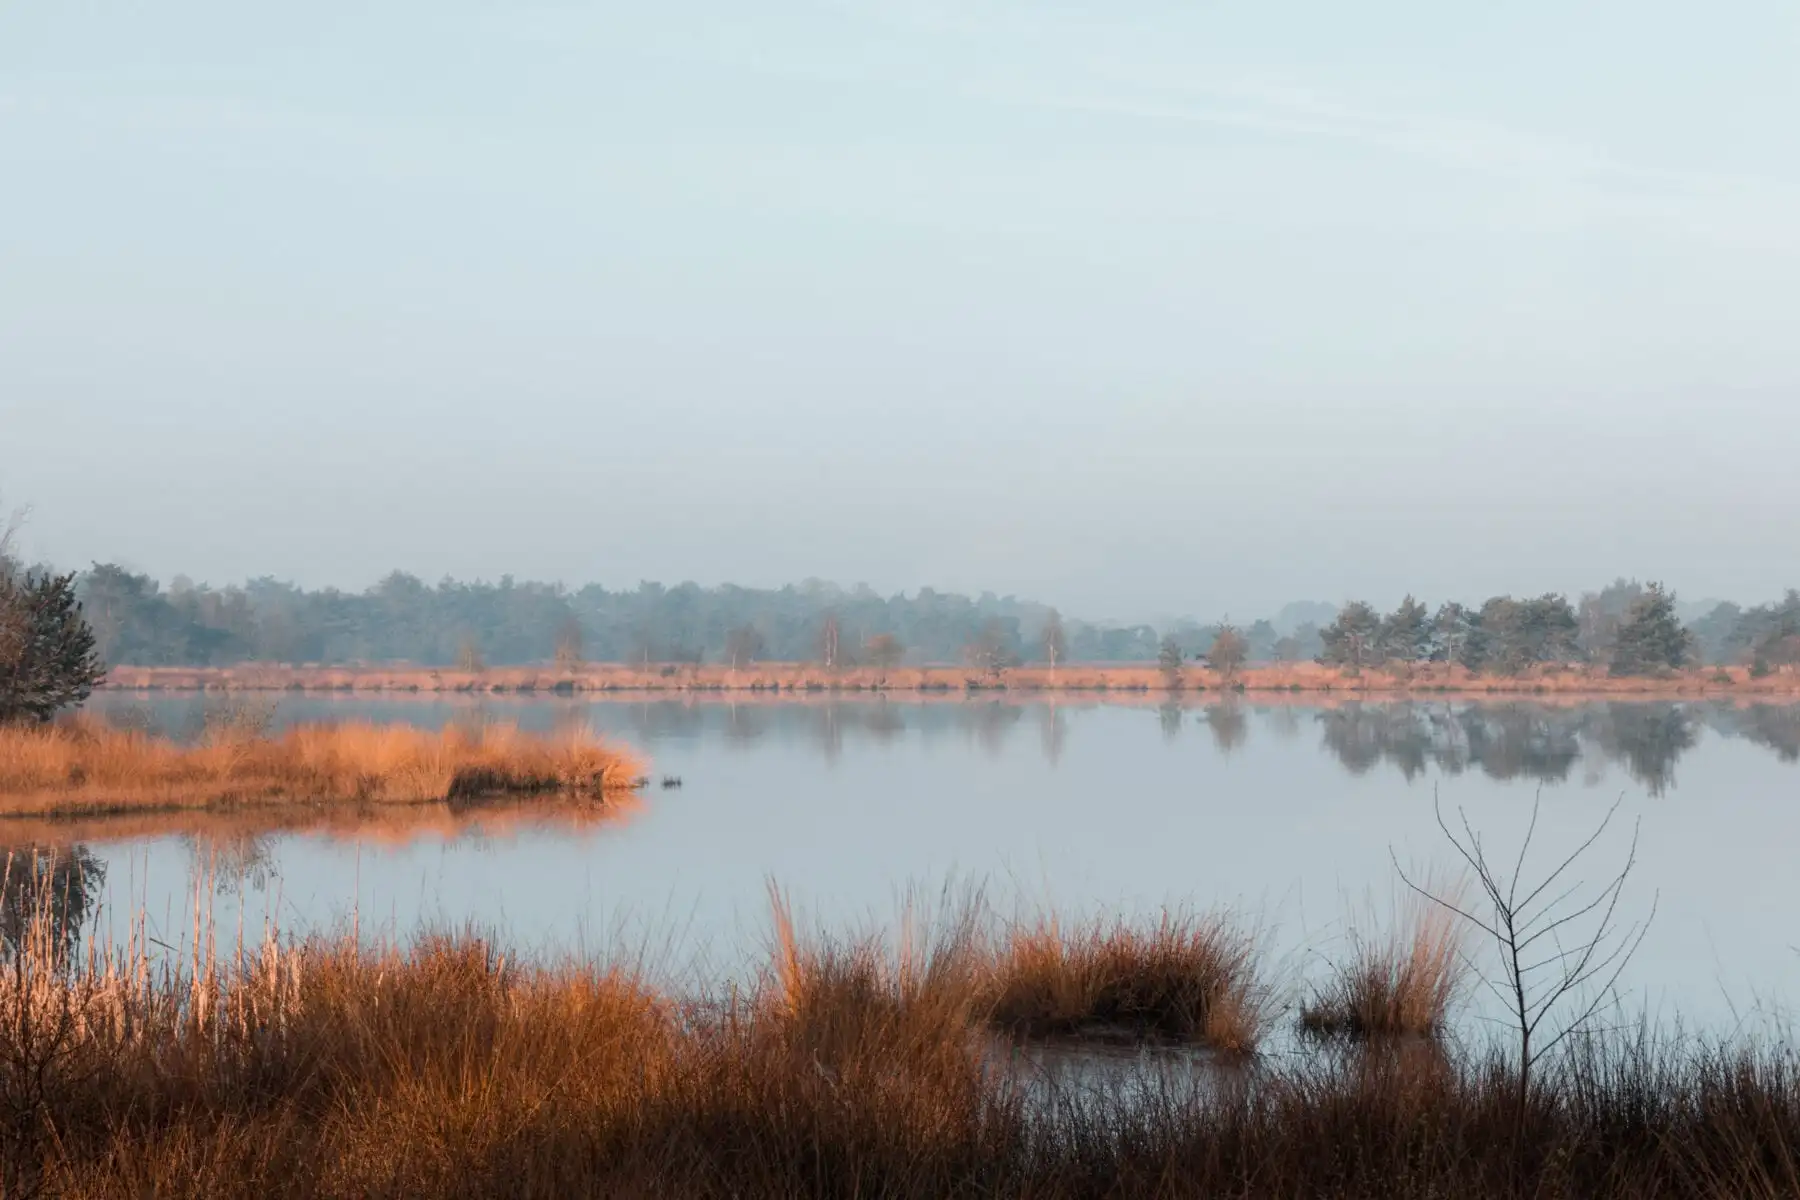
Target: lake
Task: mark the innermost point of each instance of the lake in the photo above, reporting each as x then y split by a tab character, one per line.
1291	813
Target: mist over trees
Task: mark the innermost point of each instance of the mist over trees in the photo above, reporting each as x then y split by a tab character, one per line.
403	619
1627	627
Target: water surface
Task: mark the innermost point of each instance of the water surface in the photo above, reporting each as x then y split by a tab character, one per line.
1293	814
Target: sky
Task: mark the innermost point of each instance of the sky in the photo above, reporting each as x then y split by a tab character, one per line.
1135	308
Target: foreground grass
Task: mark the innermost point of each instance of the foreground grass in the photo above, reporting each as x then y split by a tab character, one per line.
852	1067
85	766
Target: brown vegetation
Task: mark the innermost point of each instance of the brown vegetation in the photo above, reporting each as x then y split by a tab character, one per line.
449	1069
1183	979
86	767
806	678
1400	985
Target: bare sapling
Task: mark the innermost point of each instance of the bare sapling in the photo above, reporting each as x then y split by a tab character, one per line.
1561	944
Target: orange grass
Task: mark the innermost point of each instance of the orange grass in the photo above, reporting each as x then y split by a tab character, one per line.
1403	985
82	766
447	1068
801	678
1184	979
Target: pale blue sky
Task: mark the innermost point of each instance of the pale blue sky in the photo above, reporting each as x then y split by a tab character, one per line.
1135	307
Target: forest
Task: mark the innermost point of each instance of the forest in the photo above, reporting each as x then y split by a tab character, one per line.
139	621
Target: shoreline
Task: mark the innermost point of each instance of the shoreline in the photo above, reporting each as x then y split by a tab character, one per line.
798	679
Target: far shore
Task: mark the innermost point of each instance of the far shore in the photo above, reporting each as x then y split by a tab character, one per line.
811	678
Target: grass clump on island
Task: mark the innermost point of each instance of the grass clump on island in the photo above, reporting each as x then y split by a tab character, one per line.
1400	985
1183	979
848	1067
82	765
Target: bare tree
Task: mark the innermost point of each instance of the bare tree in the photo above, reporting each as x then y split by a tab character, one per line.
9	540
1229	651
1553	945
991	650
829	637
884	651
743	644
1056	641
468	656
568	644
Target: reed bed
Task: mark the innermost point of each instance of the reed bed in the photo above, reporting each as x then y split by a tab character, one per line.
783	678
83	766
853	1067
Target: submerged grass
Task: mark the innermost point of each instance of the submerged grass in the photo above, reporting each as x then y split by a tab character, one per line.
83	765
851	1067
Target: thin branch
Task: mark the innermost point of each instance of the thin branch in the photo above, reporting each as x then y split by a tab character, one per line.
1512	891
1578	852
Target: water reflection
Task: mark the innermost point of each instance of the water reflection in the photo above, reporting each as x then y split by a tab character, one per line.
1540	741
235	849
1534	741
1285	811
1230	727
1776	726
69	877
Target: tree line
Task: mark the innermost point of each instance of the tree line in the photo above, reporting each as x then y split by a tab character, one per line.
472	624
1627	627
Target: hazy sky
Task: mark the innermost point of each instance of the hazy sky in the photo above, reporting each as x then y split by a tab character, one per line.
1135	307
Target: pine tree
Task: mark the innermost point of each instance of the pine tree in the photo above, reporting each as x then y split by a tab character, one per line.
1652	638
1456	636
1354	639
1406	633
47	657
1168	660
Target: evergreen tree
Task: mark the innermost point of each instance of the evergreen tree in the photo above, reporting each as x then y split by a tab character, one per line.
47	657
1354	639
1406	633
1456	636
1651	638
1168	658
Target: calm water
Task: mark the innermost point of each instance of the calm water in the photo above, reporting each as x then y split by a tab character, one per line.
1290	813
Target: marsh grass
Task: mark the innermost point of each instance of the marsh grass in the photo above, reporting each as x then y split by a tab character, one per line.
852	1067
85	766
1401	984
1183	979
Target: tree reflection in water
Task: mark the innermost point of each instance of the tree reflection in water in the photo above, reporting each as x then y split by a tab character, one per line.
1229	725
69	878
1514	740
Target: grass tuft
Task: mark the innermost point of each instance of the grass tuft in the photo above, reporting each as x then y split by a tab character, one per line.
1185	979
1403	985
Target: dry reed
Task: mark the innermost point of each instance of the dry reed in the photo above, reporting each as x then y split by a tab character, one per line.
1401	985
1184	979
447	1069
84	766
796	677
